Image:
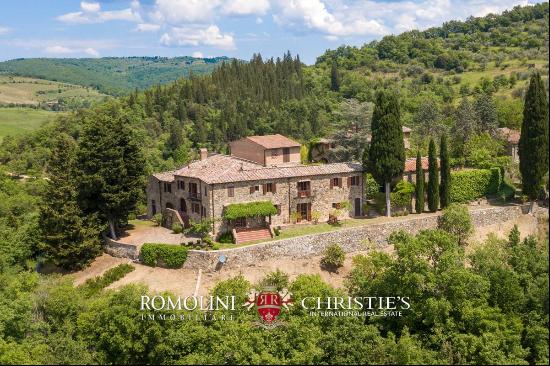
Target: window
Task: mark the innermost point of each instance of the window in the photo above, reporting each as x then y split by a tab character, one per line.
254	189
183	205
205	190
336	205
168	187
275	152
181	185
303	189
154	207
196	208
286	155
269	188
231	191
335	182
278	207
354	181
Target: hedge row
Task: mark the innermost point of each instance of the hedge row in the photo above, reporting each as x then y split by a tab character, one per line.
163	255
469	185
96	284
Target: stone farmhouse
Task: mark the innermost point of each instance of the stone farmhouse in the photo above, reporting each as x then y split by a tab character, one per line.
258	169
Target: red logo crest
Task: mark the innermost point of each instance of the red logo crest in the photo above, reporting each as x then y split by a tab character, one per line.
269	303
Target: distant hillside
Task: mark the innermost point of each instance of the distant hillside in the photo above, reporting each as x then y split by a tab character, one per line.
111	75
17	91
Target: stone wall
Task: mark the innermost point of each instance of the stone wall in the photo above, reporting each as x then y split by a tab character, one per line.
350	239
121	250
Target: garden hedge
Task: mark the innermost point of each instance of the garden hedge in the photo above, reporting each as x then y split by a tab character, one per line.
469	185
165	255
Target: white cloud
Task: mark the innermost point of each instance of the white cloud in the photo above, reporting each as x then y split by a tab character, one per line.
195	36
92	52
4	30
313	15
90	7
58	50
246	7
91	13
186	11
147	27
197	54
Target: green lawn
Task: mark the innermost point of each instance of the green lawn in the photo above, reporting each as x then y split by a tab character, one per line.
16	121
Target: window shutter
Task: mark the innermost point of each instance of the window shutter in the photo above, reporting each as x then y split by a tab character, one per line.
264	188
349	181
331	183
274	185
251	189
340	182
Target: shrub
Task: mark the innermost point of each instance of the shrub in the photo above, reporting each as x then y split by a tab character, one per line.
469	185
157	219
507	190
96	284
456	220
201	228
295	216
226	238
277	279
371	186
276	231
315	216
177	228
402	195
165	255
333	258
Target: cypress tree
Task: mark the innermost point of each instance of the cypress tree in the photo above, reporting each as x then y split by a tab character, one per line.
419	188
433	182
445	188
68	237
387	150
533	143
111	166
334	77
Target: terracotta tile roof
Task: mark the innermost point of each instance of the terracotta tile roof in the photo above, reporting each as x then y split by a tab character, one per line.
512	136
226	169
273	141
410	164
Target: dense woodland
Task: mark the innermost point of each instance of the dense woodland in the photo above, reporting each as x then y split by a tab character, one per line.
482	305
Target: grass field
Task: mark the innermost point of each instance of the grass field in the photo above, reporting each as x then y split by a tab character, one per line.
23	90
16	121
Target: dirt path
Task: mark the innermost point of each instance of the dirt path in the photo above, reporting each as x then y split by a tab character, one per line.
183	281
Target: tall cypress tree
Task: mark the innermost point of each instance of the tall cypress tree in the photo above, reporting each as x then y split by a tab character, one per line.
445	188
68	237
387	150
334	77
419	188
433	179
533	143
111	166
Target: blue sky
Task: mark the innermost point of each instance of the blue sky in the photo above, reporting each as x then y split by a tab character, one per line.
235	28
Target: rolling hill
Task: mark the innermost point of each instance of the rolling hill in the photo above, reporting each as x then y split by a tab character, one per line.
111	75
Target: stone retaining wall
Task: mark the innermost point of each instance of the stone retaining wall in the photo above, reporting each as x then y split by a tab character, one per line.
121	250
350	239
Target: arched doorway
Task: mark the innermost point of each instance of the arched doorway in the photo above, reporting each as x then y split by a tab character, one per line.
183	205
169	205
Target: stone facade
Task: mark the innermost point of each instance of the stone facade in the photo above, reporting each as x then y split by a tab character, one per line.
203	188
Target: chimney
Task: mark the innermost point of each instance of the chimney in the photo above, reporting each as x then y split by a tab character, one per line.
204	153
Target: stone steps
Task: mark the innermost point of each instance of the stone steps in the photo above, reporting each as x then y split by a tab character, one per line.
252	235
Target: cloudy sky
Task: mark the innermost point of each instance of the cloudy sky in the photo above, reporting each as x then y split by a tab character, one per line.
236	28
